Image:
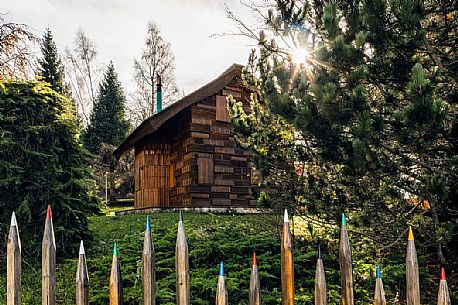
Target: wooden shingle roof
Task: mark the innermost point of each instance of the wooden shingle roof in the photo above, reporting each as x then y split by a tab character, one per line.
150	125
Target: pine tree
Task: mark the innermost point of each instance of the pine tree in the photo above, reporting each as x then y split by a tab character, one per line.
43	162
107	123
366	122
51	68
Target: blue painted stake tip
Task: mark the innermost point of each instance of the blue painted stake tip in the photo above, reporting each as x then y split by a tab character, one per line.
344	220
378	273
221	269
148	224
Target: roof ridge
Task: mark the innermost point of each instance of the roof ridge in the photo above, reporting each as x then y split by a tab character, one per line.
151	124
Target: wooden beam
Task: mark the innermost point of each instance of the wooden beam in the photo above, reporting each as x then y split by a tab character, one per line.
182	266
345	262
148	267
443	297
412	277
320	282
116	293
254	297
379	296
48	262
13	265
287	264
221	291
82	279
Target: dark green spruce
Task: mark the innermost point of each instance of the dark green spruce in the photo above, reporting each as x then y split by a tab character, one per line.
42	161
107	124
50	66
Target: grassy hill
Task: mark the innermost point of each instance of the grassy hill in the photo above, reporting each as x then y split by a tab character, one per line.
211	239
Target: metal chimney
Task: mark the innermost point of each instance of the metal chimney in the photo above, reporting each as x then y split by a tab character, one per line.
159	93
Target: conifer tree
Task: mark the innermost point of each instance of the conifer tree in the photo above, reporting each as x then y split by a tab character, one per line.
51	68
107	123
364	121
43	162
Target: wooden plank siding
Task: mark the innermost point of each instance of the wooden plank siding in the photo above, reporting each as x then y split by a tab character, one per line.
213	140
152	163
195	161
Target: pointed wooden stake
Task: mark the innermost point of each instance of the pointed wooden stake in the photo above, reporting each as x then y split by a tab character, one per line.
182	266
412	277
254	297
379	296
148	267
320	282
443	297
116	294
221	291
48	262
13	265
82	279
287	264
346	271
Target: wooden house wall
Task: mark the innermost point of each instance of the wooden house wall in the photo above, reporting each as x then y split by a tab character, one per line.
228	181
152	162
195	163
181	160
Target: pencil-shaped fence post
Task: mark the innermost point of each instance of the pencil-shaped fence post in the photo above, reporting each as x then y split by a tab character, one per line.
443	297
116	295
48	262
254	297
346	272
320	282
82	279
13	265
412	277
148	267
379	296
221	291
287	264
182	266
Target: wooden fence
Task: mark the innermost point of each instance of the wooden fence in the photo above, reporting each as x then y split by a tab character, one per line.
182	271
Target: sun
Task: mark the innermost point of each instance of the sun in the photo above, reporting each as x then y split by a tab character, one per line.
299	55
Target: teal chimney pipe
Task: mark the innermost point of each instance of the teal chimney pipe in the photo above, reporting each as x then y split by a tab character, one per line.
159	93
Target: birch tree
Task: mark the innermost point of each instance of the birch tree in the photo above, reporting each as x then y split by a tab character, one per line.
156	59
83	74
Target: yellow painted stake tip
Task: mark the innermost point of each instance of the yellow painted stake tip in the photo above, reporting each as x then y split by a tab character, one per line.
410	233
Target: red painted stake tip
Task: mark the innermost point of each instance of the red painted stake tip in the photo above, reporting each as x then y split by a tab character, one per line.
255	263
49	213
442	276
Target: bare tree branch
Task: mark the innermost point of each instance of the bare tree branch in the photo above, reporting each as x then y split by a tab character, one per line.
156	59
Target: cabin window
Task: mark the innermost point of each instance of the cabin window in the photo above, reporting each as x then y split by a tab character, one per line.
171	175
222	114
205	170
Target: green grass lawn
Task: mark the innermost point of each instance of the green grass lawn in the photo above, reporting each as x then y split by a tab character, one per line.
211	239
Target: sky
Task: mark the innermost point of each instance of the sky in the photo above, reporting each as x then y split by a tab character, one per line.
118	28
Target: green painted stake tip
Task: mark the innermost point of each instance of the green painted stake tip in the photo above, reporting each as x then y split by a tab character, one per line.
344	220
115	250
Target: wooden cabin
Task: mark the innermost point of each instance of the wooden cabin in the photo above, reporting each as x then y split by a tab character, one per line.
185	155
